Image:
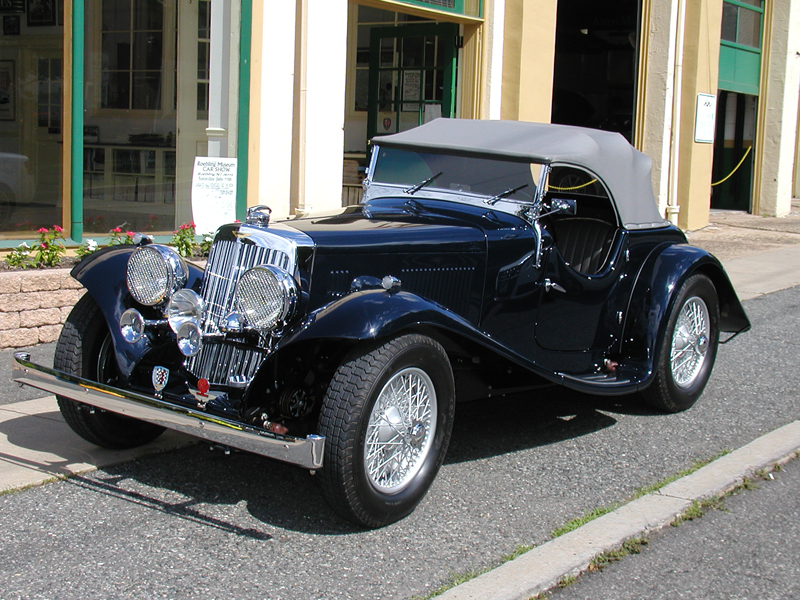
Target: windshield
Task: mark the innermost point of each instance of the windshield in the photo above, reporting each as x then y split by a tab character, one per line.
460	174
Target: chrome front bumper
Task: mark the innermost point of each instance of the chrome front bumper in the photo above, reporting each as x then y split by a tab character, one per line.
304	452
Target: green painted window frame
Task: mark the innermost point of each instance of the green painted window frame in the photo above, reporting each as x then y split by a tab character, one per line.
756	9
76	146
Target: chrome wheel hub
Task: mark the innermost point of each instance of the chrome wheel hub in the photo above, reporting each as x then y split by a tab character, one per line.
690	342
400	430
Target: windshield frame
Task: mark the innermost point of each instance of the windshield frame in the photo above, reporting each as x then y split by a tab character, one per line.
527	209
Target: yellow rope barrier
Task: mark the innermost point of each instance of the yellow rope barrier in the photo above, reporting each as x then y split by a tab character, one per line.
569	189
736	168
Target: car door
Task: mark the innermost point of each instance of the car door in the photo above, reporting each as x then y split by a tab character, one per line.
581	268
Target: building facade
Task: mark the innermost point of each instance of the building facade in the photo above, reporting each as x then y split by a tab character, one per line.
106	105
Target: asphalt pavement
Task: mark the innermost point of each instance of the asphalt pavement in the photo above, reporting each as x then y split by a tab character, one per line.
762	257
744	548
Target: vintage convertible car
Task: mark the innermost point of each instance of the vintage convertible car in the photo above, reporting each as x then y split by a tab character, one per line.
486	256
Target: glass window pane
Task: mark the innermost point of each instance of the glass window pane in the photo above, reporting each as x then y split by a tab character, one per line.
148	15
116	89
203	20
116	51
147	51
387	52
749	32
146	91
729	13
412	51
756	3
117	15
362	89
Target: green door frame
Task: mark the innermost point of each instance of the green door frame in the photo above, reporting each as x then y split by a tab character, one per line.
441	30
76	147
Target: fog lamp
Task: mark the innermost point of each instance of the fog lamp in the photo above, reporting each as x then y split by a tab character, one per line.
190	338
131	325
184	305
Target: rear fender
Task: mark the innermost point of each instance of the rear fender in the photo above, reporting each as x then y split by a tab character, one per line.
103	274
657	285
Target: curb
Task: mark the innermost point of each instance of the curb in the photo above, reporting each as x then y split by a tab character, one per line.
541	569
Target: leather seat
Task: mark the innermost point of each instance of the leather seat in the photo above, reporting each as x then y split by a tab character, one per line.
584	243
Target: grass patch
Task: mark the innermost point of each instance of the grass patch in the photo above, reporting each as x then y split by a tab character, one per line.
632	546
642	491
459	578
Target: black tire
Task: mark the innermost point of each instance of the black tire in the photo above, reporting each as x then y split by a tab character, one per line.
84	349
354	423
688	349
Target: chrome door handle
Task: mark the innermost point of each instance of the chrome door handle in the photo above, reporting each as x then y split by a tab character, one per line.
552	285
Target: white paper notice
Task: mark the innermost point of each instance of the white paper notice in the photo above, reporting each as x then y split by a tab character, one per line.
213	193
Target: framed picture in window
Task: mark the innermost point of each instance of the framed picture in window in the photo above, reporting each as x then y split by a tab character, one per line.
41	13
8	96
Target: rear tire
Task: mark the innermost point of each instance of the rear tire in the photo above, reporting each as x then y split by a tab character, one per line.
387	419
84	349
688	349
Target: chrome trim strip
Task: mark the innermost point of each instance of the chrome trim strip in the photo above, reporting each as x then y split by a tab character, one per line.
304	452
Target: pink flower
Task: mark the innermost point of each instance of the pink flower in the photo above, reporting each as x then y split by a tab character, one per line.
130	234
58	229
43	245
116	230
41	230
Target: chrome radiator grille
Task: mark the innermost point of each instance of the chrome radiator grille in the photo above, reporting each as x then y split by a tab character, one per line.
228	260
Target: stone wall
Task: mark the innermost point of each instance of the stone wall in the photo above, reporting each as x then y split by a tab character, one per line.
34	305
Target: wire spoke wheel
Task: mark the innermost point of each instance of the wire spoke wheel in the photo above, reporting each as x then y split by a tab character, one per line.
690	342
688	347
387	418
399	432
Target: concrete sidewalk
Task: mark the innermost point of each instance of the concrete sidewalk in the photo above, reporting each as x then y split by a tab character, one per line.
37	446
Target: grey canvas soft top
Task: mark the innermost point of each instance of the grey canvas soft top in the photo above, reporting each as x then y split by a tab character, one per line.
625	171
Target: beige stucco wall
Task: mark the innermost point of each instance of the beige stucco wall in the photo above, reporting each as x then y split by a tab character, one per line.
656	72
776	145
528	59
700	75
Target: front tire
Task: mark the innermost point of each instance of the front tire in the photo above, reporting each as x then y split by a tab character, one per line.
688	349
84	349
387	419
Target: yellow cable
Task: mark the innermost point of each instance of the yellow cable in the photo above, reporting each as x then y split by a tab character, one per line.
569	189
736	168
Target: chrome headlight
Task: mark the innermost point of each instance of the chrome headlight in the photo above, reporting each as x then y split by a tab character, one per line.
155	272
266	296
183	306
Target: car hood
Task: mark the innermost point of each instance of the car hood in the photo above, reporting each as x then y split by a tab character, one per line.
392	228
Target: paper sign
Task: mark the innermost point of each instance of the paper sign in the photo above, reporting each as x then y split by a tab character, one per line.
705	118
213	193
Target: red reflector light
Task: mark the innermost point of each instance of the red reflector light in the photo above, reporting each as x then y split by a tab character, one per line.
202	386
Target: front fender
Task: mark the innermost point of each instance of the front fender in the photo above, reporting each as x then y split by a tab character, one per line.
373	314
103	274
657	285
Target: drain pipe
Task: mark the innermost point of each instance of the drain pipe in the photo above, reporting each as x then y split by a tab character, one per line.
672	198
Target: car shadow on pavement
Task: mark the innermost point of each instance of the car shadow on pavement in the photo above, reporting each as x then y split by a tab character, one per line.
490	427
203	485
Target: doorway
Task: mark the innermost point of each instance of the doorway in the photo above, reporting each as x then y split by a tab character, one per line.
596	64
732	173
411	76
